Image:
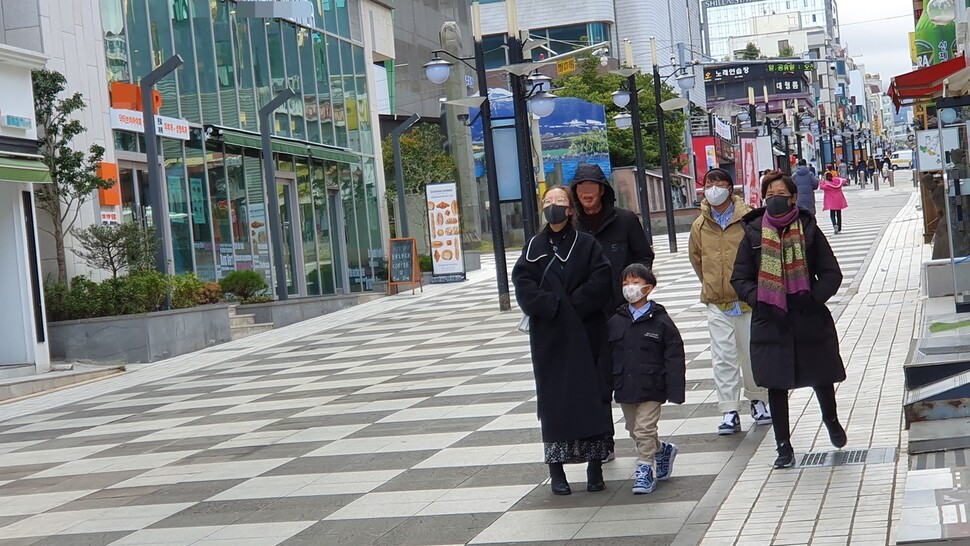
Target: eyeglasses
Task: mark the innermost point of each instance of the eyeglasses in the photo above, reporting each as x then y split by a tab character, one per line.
555	201
718	183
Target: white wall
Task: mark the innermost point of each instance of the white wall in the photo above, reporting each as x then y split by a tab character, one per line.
69	32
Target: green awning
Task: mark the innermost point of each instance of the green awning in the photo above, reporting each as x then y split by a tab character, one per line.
30	171
300	149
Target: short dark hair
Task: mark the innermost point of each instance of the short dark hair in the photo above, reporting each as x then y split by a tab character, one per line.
828	176
718	174
802	162
774	176
639	271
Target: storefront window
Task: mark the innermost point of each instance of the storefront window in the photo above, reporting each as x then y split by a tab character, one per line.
308	232
258	231
261	71
129	203
329	21
311	109
128	141
115	44
239	214
375	251
138	41
187	74
208	71
363	104
277	66
337	90
322	224
162	49
323	89
219	205
178	206
356	238
225	71
205	261
245	69
343	18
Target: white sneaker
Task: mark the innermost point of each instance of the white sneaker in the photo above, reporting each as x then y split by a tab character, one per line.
760	413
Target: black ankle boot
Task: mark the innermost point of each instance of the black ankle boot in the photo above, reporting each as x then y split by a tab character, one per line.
559	484
786	455
594	476
837	434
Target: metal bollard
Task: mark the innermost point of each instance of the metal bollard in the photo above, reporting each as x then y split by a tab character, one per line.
875	181
892	178
915	181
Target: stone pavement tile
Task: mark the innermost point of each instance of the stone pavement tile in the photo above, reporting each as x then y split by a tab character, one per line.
483	438
82	539
433	530
427	426
536	525
179	492
208	513
358	531
263	534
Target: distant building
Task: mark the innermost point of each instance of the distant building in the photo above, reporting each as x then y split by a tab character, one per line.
725	20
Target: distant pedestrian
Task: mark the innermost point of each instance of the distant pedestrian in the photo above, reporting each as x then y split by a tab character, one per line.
885	173
649	368
714	239
807	183
786	271
561	281
834	199
872	170
617	230
863	173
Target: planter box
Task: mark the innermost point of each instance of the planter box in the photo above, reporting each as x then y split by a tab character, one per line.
140	338
291	311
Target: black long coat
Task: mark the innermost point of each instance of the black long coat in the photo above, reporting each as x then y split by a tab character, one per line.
567	334
800	348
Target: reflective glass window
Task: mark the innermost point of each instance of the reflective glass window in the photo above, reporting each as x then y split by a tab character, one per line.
308	231
325	106
162	48
350	95
355	262
199	212
115	43
343	18
494	51
311	105
375	253
337	91
219	205
245	69
178	205
329	15
205	55
139	44
239	213
294	80
187	74
322	224
277	65
363	104
225	69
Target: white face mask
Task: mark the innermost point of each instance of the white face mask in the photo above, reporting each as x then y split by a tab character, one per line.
633	293
716	195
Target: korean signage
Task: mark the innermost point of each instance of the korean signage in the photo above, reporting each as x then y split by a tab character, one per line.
16	122
724	3
132	120
787	85
737	72
445	226
567	66
109	217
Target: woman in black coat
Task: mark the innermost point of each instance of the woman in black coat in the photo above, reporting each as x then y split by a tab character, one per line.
786	271
561	281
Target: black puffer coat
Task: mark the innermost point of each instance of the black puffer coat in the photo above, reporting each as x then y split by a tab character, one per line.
800	348
567	334
648	357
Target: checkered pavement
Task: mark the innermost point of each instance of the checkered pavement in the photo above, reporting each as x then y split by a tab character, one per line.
409	420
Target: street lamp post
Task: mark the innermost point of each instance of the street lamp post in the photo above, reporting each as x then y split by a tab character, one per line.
664	160
272	192
158	197
622	98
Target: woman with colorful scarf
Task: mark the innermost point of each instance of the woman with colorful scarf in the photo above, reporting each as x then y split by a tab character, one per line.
786	271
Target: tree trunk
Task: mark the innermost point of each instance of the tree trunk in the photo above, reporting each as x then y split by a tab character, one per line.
59	247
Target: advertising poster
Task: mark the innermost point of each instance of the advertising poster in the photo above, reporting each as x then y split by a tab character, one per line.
928	147
445	226
749	171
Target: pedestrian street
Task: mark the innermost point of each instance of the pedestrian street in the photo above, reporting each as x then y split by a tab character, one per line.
407	420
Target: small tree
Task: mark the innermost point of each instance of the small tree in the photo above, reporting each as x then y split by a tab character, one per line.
73	173
786	51
751	52
117	248
423	159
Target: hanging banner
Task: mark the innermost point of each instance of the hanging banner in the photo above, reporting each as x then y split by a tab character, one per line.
749	172
132	120
448	263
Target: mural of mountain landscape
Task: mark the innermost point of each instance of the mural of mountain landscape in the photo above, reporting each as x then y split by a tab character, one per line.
574	134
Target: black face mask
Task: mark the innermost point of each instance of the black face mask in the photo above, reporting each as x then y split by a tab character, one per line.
555	214
778	205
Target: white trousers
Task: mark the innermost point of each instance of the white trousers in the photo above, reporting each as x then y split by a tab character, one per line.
731	360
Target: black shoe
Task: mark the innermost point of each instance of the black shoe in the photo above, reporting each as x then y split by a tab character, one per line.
559	484
786	456
837	434
594	476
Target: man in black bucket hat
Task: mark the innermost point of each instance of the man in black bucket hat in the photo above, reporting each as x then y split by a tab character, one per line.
617	230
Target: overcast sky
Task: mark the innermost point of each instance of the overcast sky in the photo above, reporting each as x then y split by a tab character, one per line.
882	45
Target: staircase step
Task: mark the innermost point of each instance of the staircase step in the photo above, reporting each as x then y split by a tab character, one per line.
939	435
232	310
242	320
239	332
932	503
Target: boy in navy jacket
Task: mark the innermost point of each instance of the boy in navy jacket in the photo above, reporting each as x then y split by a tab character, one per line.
649	369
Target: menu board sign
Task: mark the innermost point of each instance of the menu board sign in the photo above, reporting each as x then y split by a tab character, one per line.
445	226
403	267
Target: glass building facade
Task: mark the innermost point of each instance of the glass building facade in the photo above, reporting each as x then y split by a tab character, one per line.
323	142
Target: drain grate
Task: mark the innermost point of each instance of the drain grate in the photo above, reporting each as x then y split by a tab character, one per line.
853	457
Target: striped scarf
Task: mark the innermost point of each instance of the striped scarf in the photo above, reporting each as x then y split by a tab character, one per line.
783	267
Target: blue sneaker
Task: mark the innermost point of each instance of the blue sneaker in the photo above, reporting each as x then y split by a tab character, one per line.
643	482
665	460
